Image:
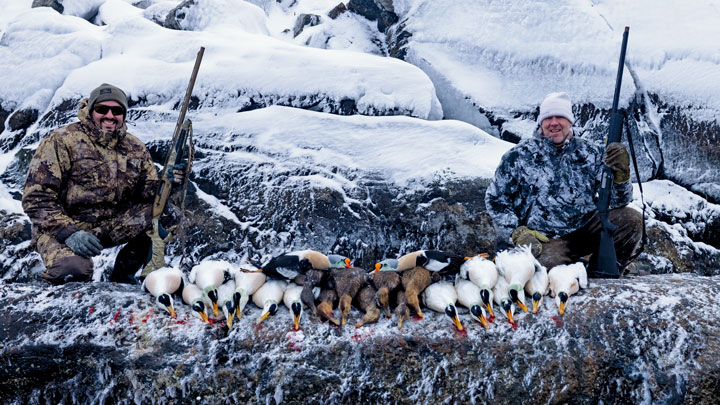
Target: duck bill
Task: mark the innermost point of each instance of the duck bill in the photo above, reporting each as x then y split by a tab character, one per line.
484	322
387	312
204	317
238	314
400	323
216	310
377	267
457	323
263	317
509	316
561	310
490	310
522	306
296	322
347	262
172	312
536	306
230	320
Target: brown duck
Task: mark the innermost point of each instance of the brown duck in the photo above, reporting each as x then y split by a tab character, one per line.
414	281
328	300
385	282
402	312
365	300
348	282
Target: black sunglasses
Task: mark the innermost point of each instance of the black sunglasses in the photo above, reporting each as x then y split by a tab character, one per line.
103	109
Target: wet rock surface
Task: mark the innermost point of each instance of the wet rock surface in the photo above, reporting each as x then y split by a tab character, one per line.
634	340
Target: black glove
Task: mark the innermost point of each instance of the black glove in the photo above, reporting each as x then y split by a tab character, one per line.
618	160
84	244
178	172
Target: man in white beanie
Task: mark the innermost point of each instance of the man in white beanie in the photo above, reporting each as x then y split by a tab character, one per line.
545	190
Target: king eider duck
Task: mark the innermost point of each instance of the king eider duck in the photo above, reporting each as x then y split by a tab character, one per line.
209	275
192	295
538	287
162	283
441	297
268	296
566	280
290	265
226	301
246	283
517	266
483	273
470	297
432	260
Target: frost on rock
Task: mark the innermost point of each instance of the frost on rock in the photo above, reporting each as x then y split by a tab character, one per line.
634	340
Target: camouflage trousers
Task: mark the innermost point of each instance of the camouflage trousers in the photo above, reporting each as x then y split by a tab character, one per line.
586	240
63	265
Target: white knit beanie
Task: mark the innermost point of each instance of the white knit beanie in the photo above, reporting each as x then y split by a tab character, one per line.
556	104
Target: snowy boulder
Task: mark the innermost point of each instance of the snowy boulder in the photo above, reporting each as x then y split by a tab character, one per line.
639	340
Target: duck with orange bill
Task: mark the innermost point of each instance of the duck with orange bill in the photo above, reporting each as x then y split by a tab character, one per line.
247	281
442	297
365	300
502	298
192	295
162	284
469	296
538	287
226	301
347	282
517	266
483	273
435	261
290	265
414	282
566	280
386	280
209	275
268	297
292	301
402	312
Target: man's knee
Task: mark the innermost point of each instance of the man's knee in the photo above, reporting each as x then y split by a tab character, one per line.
66	269
629	219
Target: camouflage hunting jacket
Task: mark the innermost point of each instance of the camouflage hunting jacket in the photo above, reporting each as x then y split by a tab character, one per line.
80	174
549	190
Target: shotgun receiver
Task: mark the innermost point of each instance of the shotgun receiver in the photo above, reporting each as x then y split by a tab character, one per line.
607	265
183	131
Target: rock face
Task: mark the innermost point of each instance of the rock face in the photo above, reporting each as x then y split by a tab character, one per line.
638	341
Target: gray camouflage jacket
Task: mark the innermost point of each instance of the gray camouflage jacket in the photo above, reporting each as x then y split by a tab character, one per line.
549	190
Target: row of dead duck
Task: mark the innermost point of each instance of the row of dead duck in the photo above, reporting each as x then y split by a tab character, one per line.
310	279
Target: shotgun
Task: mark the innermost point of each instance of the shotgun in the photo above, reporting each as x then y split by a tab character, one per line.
607	266
183	131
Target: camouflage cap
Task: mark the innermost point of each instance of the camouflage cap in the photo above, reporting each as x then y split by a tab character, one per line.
107	92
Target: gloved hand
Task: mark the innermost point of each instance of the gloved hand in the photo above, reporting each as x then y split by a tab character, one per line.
523	235
618	160
178	172
84	244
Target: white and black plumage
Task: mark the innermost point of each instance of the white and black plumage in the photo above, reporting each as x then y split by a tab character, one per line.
290	265
538	287
483	273
268	296
441	297
162	284
433	260
566	280
502	298
517	266
246	283
226	302
209	275
192	295
468	295
291	299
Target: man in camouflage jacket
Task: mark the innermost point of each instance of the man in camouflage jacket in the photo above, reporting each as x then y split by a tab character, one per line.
545	190
91	185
